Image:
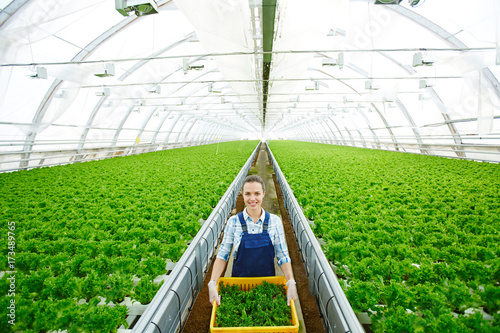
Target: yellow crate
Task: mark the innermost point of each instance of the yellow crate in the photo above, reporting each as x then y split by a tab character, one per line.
247	284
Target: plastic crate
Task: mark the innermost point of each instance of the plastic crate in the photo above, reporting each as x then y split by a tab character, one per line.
247	284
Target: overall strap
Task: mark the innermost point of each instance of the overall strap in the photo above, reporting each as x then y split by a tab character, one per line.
242	221
266	221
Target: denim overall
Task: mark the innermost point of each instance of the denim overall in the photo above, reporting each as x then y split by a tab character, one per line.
256	252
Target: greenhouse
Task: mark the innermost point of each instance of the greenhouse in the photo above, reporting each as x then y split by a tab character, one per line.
373	127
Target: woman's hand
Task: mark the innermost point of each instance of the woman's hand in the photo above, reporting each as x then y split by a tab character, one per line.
292	291
212	292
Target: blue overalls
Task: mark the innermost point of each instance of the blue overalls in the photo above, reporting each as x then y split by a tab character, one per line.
256	252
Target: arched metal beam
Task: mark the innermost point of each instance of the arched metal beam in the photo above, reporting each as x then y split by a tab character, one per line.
9	11
338	130
375	137
187	132
160	124
44	105
169	131
331	130
186	121
387	126
80	56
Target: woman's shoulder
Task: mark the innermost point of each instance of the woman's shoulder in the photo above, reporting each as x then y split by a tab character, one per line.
274	217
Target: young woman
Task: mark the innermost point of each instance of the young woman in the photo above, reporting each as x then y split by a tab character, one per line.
256	236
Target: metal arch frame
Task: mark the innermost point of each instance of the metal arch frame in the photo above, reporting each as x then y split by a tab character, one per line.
119	130
80	56
454	42
87	51
307	128
204	136
312	133
361	137
188	131
205	73
338	130
444	112
326	129
350	136
44	105
393	138
415	130
196	137
333	132
157	131
172	126
127	114
403	109
375	137
144	124
10	10
186	121
210	134
121	78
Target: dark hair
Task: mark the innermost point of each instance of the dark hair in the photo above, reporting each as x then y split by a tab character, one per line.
255	179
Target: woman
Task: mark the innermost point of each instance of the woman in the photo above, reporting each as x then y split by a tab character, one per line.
256	235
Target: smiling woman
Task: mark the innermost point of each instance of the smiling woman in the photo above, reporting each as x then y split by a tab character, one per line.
257	236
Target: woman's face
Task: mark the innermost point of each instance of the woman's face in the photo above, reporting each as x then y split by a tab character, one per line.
253	193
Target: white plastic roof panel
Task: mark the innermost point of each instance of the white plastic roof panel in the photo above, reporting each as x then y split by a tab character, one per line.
342	72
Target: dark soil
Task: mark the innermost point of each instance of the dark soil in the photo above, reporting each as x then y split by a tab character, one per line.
199	318
310	312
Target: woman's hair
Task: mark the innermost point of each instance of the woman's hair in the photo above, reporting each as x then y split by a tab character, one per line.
255	179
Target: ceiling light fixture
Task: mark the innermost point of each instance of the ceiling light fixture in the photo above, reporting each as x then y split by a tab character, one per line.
41	73
369	85
109	70
104	92
156	90
387	2
314	87
186	66
212	90
139	7
418	60
332	62
422	84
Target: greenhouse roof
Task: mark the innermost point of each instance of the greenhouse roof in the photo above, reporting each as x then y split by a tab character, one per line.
81	80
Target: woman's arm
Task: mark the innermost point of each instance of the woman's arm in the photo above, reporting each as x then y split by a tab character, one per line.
286	268
218	268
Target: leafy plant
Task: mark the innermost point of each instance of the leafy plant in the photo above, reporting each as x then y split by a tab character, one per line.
83	229
145	290
412	232
263	305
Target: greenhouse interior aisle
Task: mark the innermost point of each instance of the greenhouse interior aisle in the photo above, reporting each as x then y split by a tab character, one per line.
307	311
127	130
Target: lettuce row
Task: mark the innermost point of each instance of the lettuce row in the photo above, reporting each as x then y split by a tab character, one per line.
414	239
105	229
